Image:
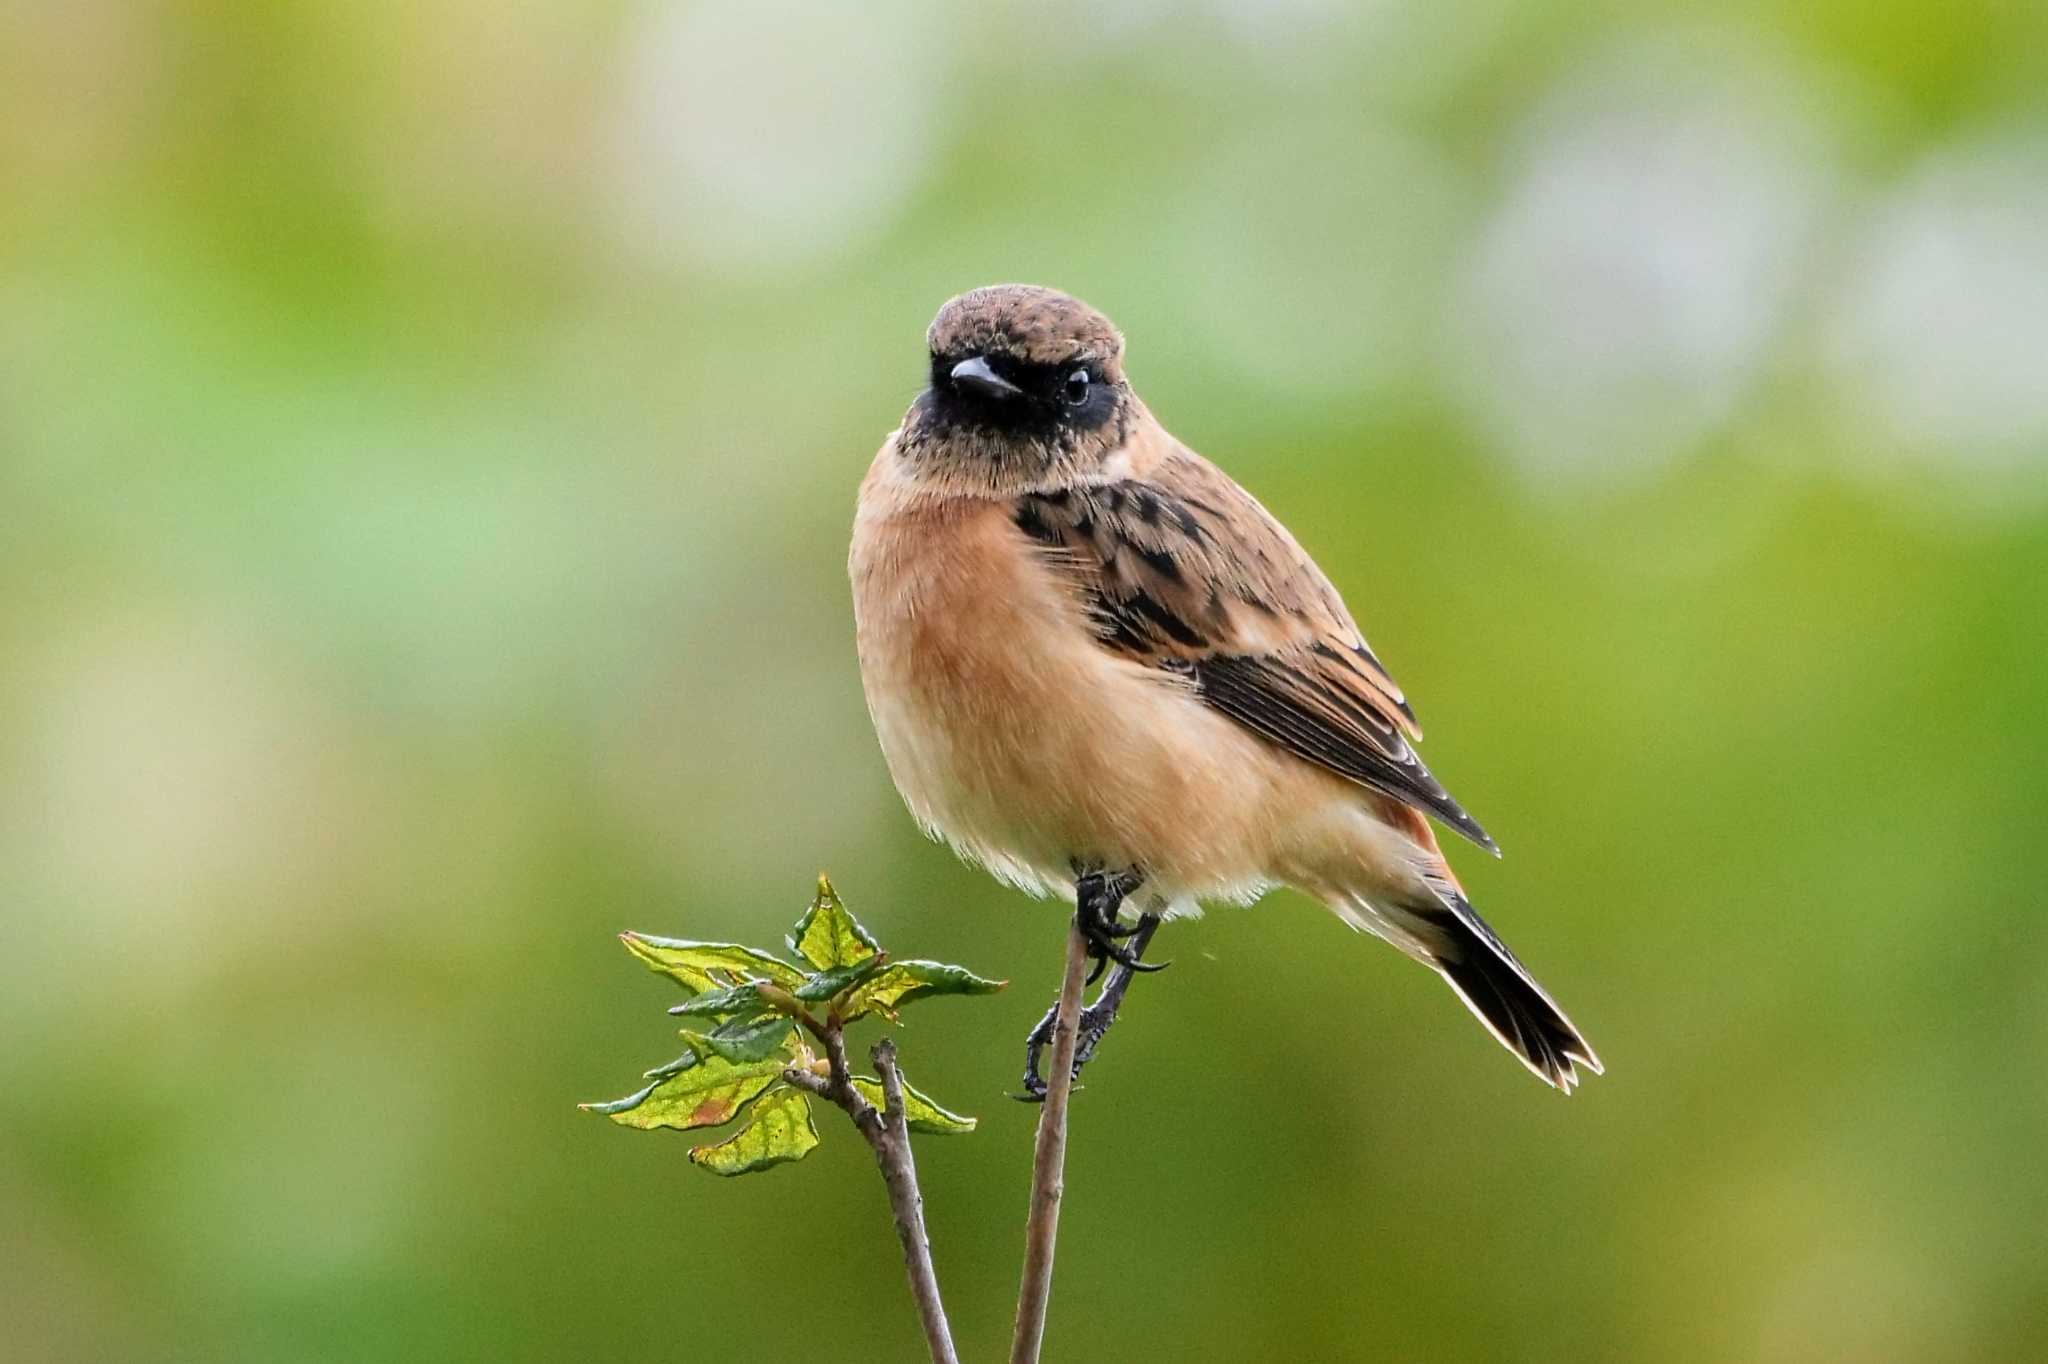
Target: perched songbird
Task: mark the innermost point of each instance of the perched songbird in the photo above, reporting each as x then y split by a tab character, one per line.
1099	668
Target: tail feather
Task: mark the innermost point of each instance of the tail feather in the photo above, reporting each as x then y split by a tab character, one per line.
1502	994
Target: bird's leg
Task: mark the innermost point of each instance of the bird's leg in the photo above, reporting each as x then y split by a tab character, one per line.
1097	898
1096	1018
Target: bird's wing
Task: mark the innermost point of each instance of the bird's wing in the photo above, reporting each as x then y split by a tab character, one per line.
1184	571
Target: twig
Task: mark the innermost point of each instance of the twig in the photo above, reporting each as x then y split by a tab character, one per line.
899	1172
888	1134
1048	1162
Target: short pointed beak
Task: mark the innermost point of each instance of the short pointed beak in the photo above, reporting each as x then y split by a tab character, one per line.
974	374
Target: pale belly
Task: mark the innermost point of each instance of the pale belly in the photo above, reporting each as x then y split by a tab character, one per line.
1030	748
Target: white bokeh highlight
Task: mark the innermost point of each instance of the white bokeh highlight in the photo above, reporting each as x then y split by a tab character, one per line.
1657	219
1936	346
771	135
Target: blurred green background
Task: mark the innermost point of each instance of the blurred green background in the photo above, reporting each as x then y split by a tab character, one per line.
428	437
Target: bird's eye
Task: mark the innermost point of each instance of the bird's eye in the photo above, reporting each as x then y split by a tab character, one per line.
1078	381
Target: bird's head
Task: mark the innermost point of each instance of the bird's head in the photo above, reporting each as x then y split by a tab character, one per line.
1027	390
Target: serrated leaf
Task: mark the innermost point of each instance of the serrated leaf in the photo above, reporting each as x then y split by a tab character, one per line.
735	1002
705	1094
826	984
827	935
904	982
692	963
742	1042
920	1114
779	1129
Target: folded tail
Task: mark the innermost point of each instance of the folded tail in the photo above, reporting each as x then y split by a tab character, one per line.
1503	995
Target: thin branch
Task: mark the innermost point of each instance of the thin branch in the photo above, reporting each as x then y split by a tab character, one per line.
888	1134
1048	1162
899	1172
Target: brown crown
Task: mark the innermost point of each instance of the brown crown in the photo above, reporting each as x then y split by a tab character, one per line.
1031	324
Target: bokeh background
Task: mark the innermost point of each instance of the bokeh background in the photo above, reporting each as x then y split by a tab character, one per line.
428	436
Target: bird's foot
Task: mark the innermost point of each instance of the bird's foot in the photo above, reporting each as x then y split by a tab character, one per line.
1097	898
1094	1021
1034	1047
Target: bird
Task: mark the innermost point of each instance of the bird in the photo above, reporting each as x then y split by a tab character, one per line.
1098	668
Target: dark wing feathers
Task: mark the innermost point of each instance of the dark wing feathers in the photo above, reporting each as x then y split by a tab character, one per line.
1186	572
1274	698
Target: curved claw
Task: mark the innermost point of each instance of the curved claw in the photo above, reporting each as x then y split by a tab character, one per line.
1125	957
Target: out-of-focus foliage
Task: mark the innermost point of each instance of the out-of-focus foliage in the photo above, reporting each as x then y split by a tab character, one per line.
428	435
735	1070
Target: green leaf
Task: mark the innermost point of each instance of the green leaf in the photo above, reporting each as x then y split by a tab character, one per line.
705	1094
828	936
633	1100
903	982
662	1072
736	1002
826	984
692	963
920	1114
778	1129
742	1042
754	1040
